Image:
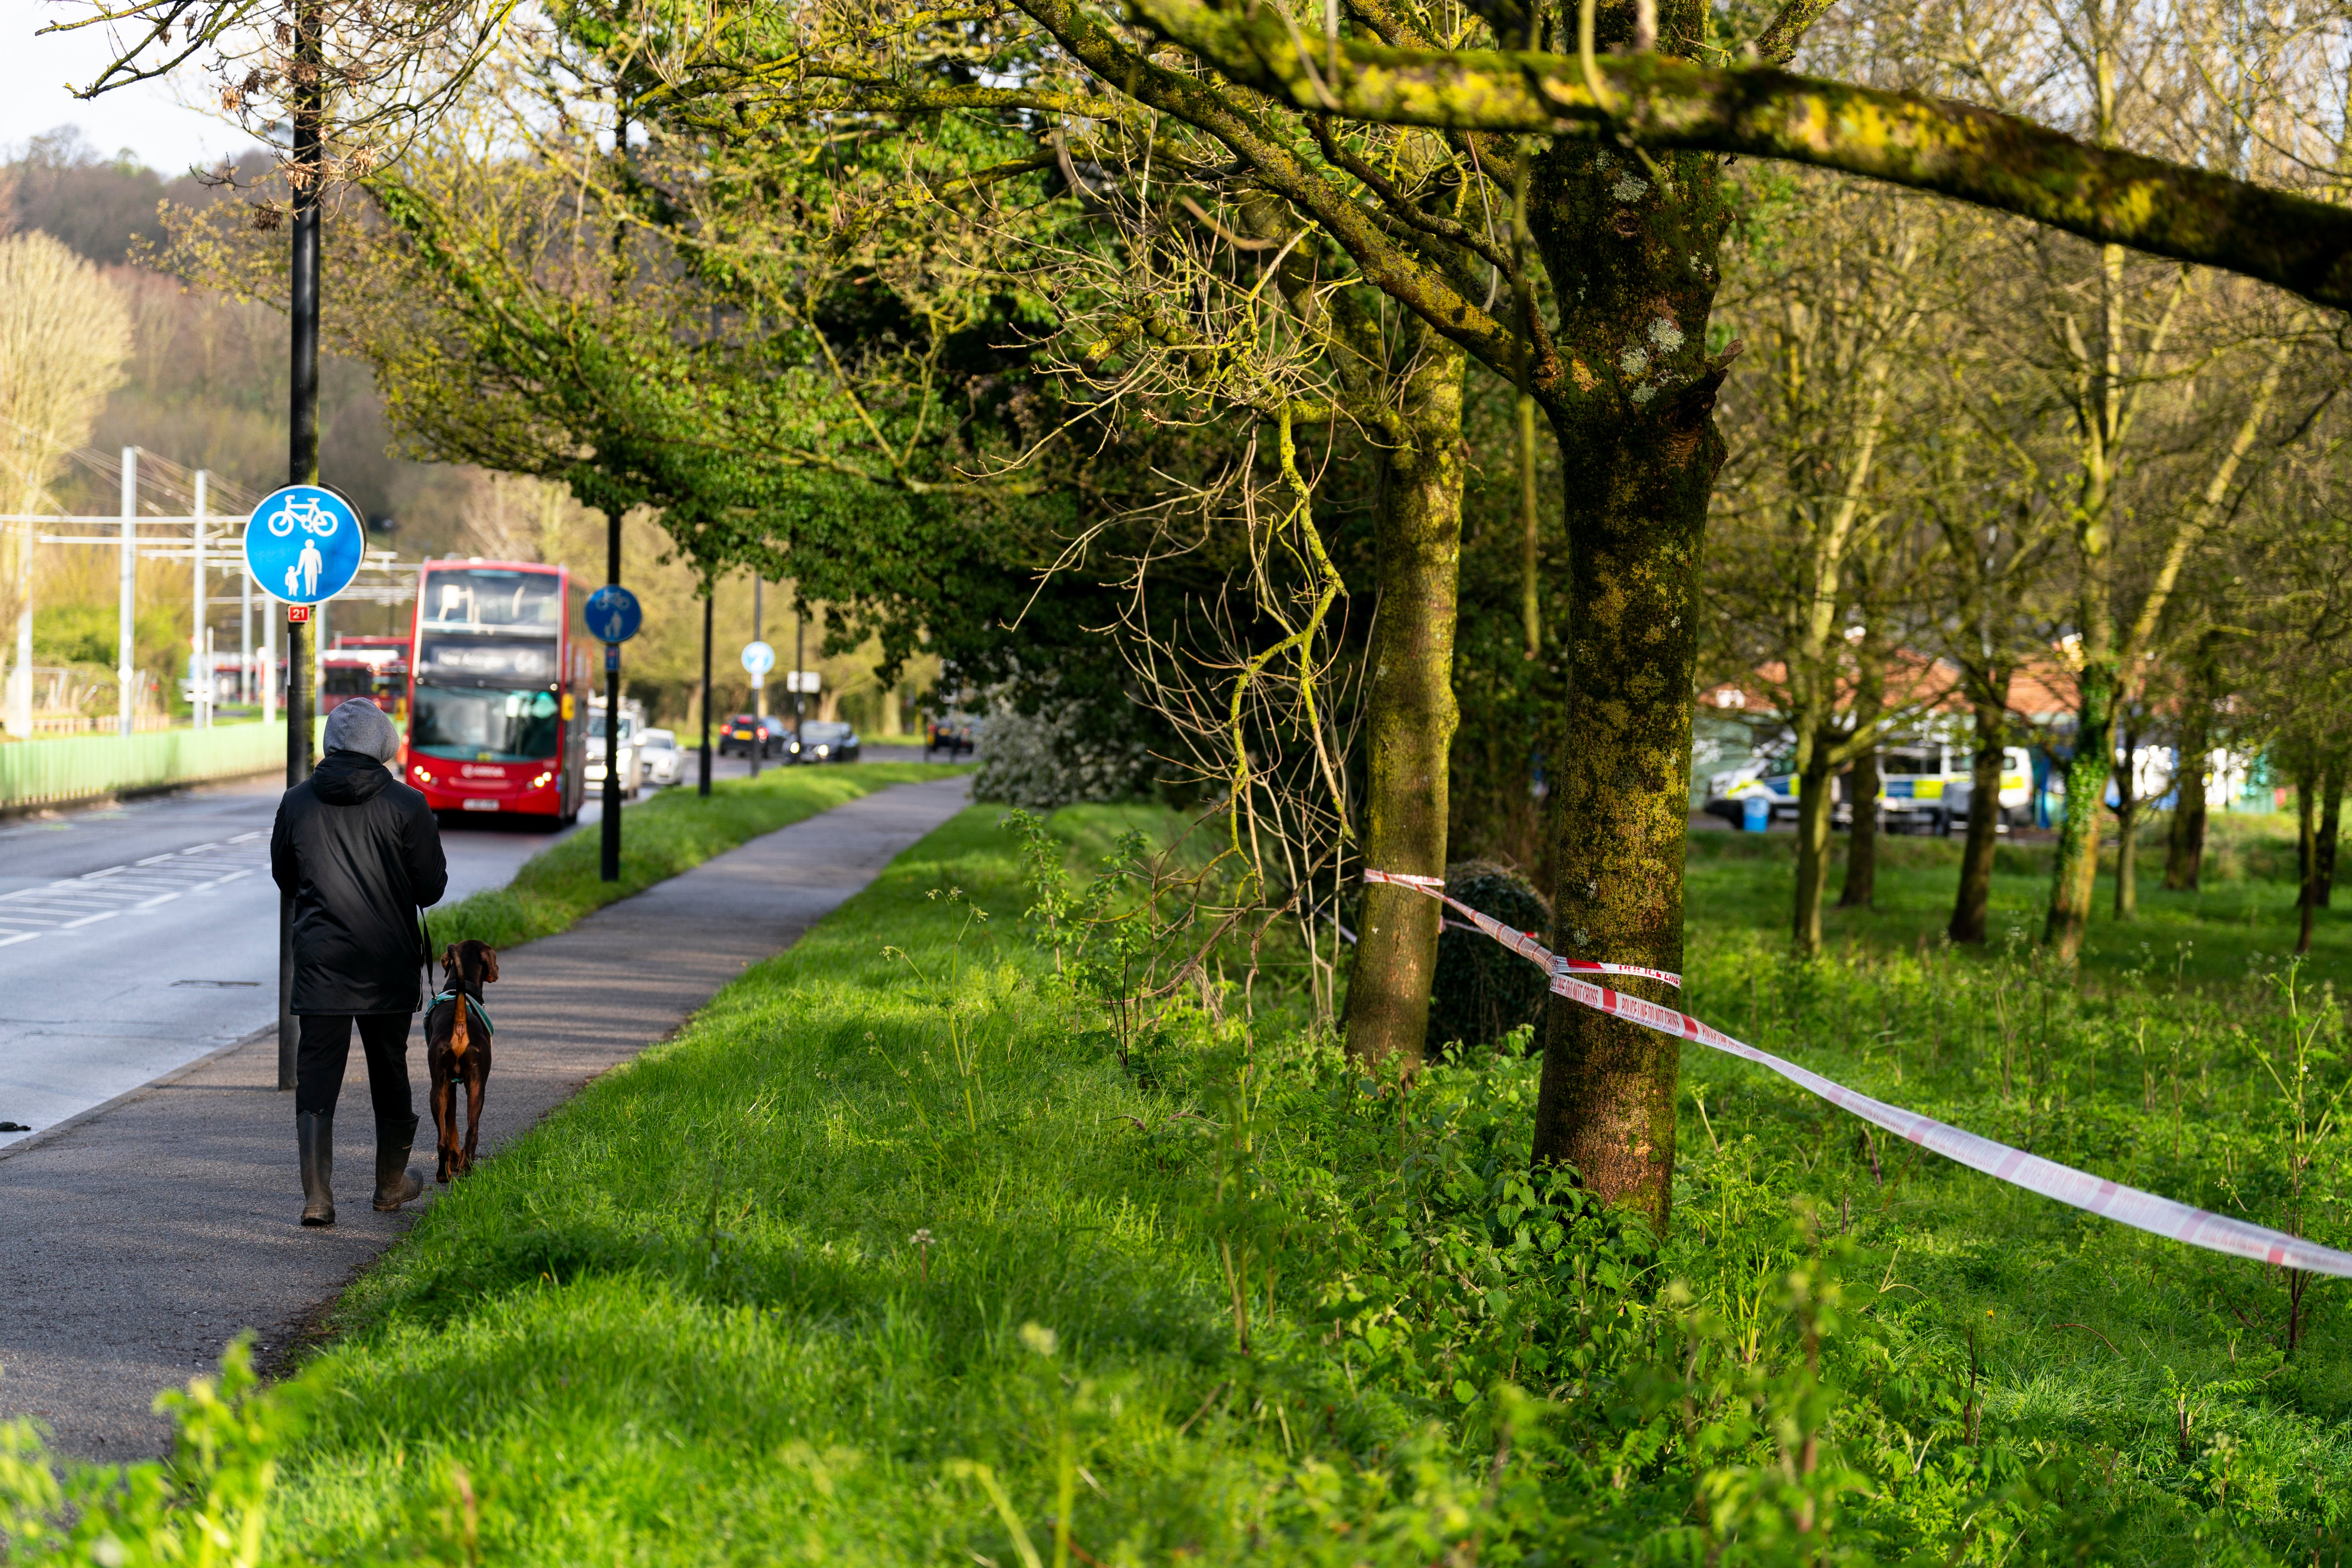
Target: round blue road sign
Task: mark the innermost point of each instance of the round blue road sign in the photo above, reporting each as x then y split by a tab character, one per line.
614	614
303	545
759	658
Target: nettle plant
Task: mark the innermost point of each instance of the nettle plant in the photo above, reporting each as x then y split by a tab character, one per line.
1145	933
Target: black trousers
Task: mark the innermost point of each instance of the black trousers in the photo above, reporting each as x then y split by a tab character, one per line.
326	1047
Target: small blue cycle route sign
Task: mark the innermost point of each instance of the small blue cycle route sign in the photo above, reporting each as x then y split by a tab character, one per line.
303	545
614	614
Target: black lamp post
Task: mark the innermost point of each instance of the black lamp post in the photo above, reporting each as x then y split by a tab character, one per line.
759	683
609	830
702	786
303	444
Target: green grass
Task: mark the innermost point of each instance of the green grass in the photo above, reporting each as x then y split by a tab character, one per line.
2241	917
2173	1071
1235	1300
674	831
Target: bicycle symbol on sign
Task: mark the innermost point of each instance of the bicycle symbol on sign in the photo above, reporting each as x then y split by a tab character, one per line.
315	519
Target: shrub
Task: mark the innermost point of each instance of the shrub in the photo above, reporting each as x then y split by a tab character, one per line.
1482	991
1043	763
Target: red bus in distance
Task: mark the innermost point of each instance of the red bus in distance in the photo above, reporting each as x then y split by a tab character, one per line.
370	667
497	718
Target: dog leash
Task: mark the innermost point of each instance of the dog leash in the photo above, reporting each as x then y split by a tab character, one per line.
424	959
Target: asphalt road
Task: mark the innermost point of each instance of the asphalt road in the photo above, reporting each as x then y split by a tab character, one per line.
141	1240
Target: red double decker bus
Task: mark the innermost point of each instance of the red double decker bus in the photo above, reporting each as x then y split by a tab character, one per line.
497	716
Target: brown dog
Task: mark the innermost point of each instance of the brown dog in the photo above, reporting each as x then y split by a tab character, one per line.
458	1048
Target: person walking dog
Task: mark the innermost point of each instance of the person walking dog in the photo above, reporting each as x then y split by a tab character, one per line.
360	853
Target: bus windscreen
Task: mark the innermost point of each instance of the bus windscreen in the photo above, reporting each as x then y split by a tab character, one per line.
475	724
490	599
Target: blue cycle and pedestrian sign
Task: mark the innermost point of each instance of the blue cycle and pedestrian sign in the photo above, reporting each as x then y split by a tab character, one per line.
303	545
614	614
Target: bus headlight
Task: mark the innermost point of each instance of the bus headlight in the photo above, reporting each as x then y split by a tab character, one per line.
541	782
420	775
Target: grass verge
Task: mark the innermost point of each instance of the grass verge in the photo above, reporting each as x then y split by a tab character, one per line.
674	831
890	1258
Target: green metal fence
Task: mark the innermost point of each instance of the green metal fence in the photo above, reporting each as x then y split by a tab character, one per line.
37	772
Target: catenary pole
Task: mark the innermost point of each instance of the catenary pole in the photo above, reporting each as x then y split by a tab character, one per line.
200	646
302	442
20	679
127	607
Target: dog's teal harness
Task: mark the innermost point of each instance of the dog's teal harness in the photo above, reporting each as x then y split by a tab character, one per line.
480	1016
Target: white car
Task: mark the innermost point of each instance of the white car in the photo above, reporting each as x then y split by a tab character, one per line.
659	760
594	772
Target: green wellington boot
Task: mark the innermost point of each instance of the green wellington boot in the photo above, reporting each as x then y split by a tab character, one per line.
395	1184
314	1136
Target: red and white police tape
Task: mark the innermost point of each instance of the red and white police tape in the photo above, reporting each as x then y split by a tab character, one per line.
2109	1200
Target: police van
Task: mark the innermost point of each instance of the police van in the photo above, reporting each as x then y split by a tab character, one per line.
1927	788
1921	788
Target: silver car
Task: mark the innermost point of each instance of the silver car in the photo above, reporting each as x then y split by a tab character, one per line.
594	772
659	760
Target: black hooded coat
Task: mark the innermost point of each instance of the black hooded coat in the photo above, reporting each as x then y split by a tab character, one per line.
360	853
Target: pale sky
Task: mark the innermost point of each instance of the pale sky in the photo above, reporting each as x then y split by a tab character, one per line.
148	119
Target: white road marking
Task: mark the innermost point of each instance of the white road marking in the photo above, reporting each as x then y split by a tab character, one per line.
72	902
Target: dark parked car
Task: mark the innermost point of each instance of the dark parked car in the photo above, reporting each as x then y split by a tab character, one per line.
821	741
740	734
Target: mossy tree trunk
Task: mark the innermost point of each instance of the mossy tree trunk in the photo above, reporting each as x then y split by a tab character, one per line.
2075	874
2331	811
1816	785
2306	844
1862	783
1973	903
1631	251
2128	807
2102	410
1409	712
2184	841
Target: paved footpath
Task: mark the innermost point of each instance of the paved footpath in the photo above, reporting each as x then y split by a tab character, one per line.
137	1243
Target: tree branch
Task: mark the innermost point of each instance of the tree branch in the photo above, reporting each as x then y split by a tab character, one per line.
1427	290
1992	161
1777	44
1434	224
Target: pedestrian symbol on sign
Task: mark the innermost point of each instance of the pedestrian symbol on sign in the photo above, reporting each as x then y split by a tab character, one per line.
306	569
